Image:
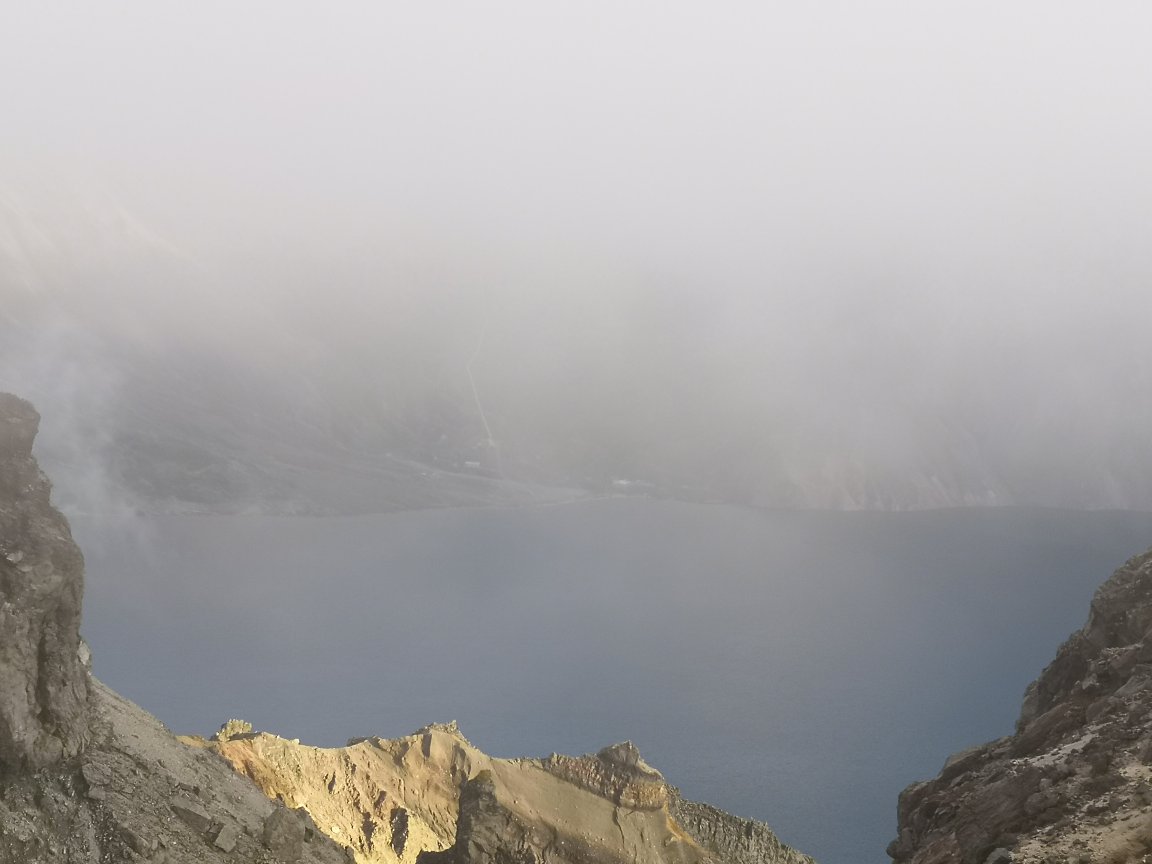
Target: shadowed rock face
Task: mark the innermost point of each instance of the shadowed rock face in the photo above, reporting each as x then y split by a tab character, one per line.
1074	783
43	681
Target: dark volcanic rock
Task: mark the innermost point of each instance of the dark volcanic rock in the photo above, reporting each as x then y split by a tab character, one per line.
1072	783
43	682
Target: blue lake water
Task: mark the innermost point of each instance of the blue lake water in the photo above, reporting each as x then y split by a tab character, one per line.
795	667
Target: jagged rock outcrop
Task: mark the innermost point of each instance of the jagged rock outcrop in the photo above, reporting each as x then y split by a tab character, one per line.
732	839
433	798
43	679
1074	783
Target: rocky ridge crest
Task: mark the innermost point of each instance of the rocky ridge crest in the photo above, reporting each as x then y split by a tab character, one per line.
433	798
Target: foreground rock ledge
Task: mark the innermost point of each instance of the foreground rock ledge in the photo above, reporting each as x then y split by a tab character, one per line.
1074	784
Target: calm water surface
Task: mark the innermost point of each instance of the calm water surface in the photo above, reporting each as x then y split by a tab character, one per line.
799	668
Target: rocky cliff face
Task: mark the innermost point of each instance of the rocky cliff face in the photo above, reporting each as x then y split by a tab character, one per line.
433	798
1074	783
43	680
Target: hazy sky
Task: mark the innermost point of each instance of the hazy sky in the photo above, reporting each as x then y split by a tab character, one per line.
736	139
829	203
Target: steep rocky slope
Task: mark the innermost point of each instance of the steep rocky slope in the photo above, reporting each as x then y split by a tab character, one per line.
1074	783
137	794
43	683
185	384
433	798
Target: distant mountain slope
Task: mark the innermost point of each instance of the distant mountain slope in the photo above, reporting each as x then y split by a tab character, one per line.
348	385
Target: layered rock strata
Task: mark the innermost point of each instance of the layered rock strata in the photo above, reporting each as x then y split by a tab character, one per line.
433	798
1074	783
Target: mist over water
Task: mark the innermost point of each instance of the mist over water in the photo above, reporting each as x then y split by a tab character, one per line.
800	668
885	257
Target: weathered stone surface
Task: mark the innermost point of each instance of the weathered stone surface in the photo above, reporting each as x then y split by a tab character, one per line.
191	814
618	773
226	837
19	423
1071	783
283	835
138	838
43	681
233	729
96	773
732	839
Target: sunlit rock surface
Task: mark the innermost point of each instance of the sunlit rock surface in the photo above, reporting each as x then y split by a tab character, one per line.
433	798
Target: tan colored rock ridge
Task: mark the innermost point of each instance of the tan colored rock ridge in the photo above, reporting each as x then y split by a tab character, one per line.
1074	783
433	798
